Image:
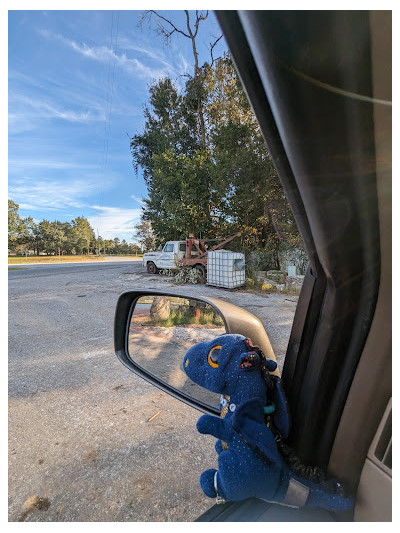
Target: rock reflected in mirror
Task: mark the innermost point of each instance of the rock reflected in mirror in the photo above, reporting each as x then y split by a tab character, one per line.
161	331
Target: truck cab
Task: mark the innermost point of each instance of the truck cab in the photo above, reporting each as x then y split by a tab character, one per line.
168	258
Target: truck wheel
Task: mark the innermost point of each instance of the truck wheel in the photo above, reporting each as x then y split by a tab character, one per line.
151	268
202	273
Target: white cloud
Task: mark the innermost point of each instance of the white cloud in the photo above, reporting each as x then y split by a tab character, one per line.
27	109
18	123
132	66
157	56
113	222
138	200
39	194
144	71
184	65
47	163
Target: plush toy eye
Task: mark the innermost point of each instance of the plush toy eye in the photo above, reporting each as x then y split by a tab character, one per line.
212	357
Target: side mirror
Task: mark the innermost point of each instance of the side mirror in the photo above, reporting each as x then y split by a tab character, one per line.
154	329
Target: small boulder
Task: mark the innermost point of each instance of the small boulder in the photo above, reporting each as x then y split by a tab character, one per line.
294	282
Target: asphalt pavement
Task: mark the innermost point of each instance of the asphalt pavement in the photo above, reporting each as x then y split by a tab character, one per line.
88	440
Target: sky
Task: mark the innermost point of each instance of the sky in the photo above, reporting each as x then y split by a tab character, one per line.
77	84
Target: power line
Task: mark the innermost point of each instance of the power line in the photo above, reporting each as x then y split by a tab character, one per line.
109	99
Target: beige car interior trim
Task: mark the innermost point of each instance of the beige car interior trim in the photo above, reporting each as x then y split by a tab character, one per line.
376	476
371	388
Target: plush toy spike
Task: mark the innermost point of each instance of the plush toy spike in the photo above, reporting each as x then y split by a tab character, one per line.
251	463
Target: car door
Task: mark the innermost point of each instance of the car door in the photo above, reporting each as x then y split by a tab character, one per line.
167	257
181	251
319	83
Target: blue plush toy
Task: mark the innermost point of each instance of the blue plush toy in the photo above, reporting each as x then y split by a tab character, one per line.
253	461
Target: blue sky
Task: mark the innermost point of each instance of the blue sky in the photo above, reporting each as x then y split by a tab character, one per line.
78	81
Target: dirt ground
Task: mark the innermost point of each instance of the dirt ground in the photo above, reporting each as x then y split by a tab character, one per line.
90	441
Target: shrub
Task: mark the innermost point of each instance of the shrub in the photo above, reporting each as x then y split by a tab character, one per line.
260	260
167	272
252	280
293	256
187	275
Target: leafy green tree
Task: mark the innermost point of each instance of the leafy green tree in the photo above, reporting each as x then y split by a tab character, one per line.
250	191
134	249
29	237
68	244
179	203
145	235
15	224
108	246
175	166
53	237
124	249
169	125
117	245
82	235
46	235
228	186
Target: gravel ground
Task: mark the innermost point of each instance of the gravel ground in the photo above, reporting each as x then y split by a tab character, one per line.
88	440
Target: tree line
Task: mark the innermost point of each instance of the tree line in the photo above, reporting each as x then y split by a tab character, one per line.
206	165
59	238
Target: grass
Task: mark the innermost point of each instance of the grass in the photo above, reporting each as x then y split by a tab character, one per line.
258	290
139	256
255	285
21	260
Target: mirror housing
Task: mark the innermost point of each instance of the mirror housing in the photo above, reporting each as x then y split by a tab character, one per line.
236	320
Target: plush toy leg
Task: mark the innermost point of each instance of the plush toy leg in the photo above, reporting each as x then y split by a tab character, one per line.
207	483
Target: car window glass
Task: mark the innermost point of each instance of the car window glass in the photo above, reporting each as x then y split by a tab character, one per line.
182	247
169	247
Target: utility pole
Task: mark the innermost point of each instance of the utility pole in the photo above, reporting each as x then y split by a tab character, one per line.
98	240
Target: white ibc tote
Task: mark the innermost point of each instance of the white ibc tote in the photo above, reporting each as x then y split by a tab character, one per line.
225	269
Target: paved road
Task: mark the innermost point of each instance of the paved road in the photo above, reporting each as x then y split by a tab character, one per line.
83	437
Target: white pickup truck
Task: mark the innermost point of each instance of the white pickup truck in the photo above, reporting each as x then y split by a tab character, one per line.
167	258
192	252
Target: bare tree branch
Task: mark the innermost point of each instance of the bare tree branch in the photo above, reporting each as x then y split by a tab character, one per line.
185	75
167	30
193	39
212	46
188	23
163	30
199	18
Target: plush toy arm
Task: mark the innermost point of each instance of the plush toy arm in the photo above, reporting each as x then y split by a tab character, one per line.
248	422
217	427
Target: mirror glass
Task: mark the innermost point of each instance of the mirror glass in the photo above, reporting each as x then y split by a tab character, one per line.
162	329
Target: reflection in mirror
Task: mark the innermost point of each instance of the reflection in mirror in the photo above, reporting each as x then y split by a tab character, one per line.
161	331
